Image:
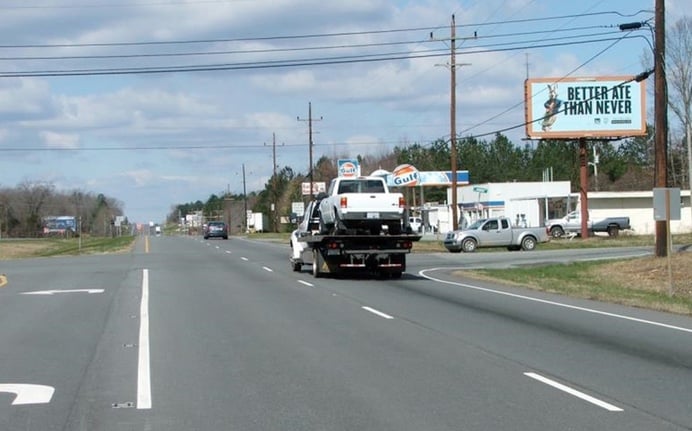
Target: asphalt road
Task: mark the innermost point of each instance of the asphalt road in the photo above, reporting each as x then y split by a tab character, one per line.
186	334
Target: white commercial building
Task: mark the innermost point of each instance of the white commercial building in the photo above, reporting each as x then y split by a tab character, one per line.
531	203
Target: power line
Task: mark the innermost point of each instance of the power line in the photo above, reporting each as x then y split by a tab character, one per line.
314	35
308	48
364	58
117	5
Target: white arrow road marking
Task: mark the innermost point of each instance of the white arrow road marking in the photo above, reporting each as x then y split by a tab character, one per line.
28	394
53	292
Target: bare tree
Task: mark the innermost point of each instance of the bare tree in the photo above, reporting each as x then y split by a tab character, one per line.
679	76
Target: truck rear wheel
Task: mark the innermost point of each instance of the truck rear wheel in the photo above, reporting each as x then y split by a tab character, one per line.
528	243
394	228
613	231
556	231
317	261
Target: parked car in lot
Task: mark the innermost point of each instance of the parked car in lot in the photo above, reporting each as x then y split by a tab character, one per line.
494	232
571	223
216	229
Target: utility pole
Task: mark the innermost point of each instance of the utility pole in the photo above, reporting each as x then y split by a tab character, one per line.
661	121
244	202
274	181
453	126
453	119
310	120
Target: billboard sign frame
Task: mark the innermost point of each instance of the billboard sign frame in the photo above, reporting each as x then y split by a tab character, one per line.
583	107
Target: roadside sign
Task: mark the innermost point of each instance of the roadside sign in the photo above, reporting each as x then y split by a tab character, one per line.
478	189
666	203
298	208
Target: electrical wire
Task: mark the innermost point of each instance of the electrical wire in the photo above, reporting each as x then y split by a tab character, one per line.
277	63
315	35
309	48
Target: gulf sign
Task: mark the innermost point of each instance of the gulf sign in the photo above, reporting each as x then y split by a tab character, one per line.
348	168
405	176
571	108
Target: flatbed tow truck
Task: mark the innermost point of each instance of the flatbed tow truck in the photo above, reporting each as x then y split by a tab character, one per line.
384	255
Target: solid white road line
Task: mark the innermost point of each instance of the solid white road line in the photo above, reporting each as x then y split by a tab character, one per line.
245	259
306	283
266	268
228	251
379	313
144	372
53	292
574	392
554	303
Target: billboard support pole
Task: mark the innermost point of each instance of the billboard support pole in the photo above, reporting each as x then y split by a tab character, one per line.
583	187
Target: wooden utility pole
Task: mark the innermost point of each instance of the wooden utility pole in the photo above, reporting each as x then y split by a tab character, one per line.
310	120
661	121
274	191
453	126
583	188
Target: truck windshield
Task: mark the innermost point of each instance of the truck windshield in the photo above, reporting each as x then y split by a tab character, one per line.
477	224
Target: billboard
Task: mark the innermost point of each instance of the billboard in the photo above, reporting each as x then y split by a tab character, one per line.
59	224
317	187
570	108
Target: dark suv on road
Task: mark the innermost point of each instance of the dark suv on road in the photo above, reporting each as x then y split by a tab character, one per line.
216	229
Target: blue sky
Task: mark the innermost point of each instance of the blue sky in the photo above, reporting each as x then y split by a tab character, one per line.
158	139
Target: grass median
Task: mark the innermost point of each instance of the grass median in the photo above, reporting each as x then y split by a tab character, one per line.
46	247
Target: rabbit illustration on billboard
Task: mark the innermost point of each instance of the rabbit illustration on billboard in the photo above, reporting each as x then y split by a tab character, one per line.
552	108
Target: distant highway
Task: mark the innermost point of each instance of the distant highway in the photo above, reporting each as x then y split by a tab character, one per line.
222	335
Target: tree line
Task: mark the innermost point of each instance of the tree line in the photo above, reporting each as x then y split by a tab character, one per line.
622	165
24	208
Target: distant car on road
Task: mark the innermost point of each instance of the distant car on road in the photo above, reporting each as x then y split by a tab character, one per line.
216	229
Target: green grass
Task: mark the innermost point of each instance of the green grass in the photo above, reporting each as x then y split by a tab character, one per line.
587	280
88	245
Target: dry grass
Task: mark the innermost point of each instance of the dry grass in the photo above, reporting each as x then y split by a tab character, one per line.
640	282
652	274
21	249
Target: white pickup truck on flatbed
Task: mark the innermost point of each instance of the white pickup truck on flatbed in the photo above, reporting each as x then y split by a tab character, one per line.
344	253
362	205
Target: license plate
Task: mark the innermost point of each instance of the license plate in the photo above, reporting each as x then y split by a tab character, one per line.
373	215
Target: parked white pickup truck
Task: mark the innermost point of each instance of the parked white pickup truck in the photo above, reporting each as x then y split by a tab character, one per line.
494	232
571	223
362	205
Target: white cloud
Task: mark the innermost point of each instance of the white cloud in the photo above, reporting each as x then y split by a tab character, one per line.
60	140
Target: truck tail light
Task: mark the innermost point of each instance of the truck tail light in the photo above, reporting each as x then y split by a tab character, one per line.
343	202
402	202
